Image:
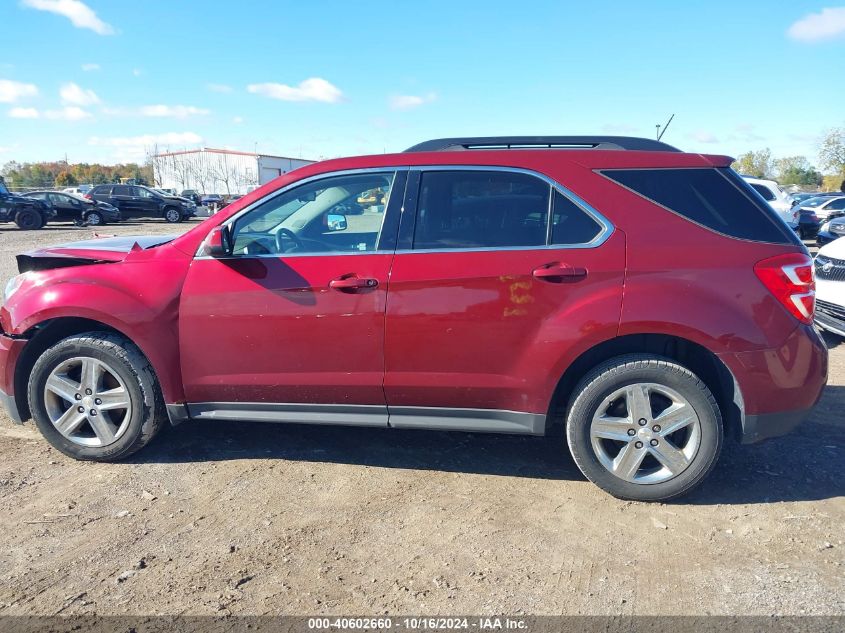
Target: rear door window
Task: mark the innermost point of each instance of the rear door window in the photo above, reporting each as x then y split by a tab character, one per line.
467	209
714	198
122	190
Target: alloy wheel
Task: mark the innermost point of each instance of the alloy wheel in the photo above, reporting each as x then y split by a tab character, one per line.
87	402
172	215
645	433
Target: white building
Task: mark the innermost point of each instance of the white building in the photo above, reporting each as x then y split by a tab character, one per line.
220	171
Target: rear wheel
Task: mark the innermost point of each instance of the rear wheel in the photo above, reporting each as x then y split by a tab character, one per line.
643	427
94	396
29	220
172	215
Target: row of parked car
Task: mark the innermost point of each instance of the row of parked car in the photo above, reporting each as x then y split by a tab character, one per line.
811	215
101	204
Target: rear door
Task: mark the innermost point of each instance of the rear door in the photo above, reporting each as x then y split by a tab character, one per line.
123	198
498	276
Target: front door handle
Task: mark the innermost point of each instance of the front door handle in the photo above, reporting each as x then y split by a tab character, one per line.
559	273
353	283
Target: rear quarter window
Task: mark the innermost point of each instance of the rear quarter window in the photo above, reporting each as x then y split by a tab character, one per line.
714	198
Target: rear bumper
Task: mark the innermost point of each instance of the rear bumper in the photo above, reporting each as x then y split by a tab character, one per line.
779	387
756	428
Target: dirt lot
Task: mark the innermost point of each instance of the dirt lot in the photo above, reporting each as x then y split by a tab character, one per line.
270	519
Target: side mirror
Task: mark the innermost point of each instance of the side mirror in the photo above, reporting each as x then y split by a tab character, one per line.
217	244
335	222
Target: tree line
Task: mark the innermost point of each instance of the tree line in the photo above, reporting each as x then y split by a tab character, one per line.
797	170
60	174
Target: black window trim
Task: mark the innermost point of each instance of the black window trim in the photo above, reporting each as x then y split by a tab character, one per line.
719	170
410	211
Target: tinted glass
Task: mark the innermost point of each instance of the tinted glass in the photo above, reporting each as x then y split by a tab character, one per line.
37	196
836	204
571	224
122	190
715	198
763	191
335	214
478	209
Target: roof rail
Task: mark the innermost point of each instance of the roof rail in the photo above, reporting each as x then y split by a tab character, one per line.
543	142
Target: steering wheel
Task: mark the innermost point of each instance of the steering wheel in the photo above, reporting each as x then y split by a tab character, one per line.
287	233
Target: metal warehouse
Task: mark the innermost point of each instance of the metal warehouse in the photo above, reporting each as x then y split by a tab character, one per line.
224	171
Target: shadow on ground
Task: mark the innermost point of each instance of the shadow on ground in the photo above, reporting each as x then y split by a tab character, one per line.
805	465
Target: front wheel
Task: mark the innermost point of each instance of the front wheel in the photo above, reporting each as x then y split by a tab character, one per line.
95	218
172	215
29	220
94	396
643	427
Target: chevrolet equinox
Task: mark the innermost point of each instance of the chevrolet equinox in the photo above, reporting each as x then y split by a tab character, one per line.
644	301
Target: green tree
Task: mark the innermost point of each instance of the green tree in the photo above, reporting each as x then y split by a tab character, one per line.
796	170
832	152
757	164
66	179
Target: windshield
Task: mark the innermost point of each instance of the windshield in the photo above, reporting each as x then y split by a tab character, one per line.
814	202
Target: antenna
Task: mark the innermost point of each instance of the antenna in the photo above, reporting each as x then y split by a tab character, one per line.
659	133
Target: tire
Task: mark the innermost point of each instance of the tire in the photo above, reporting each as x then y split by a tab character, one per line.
600	421
29	220
172	215
95	218
125	375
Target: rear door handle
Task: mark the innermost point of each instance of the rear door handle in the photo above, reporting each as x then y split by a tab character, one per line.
353	283
559	272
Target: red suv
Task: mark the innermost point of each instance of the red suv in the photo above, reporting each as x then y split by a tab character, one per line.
644	301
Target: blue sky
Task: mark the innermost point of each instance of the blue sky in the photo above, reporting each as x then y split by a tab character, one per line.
105	80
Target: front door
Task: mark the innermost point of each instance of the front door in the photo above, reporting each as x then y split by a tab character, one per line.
291	326
500	278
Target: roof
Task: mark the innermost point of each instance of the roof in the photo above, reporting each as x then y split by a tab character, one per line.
212	150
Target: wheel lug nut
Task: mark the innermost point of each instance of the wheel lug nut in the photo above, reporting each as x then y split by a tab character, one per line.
638	444
93	412
97	401
653	442
88	392
643	422
656	428
78	396
81	409
631	432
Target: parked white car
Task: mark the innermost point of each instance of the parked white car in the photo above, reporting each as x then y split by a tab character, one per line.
830	287
825	206
778	199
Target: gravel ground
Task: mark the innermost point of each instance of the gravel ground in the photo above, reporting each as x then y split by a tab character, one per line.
269	519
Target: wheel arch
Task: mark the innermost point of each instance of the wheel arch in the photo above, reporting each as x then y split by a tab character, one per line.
695	357
46	334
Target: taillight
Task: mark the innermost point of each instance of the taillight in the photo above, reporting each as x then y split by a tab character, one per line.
791	279
88	196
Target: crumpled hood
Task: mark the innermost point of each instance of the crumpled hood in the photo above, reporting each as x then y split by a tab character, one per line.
95	251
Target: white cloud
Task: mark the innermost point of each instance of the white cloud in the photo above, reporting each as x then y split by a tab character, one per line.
68	113
237	120
223	88
312	89
23	113
89	67
407	102
72	94
815	27
137	72
176	111
79	13
11	91
703	137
